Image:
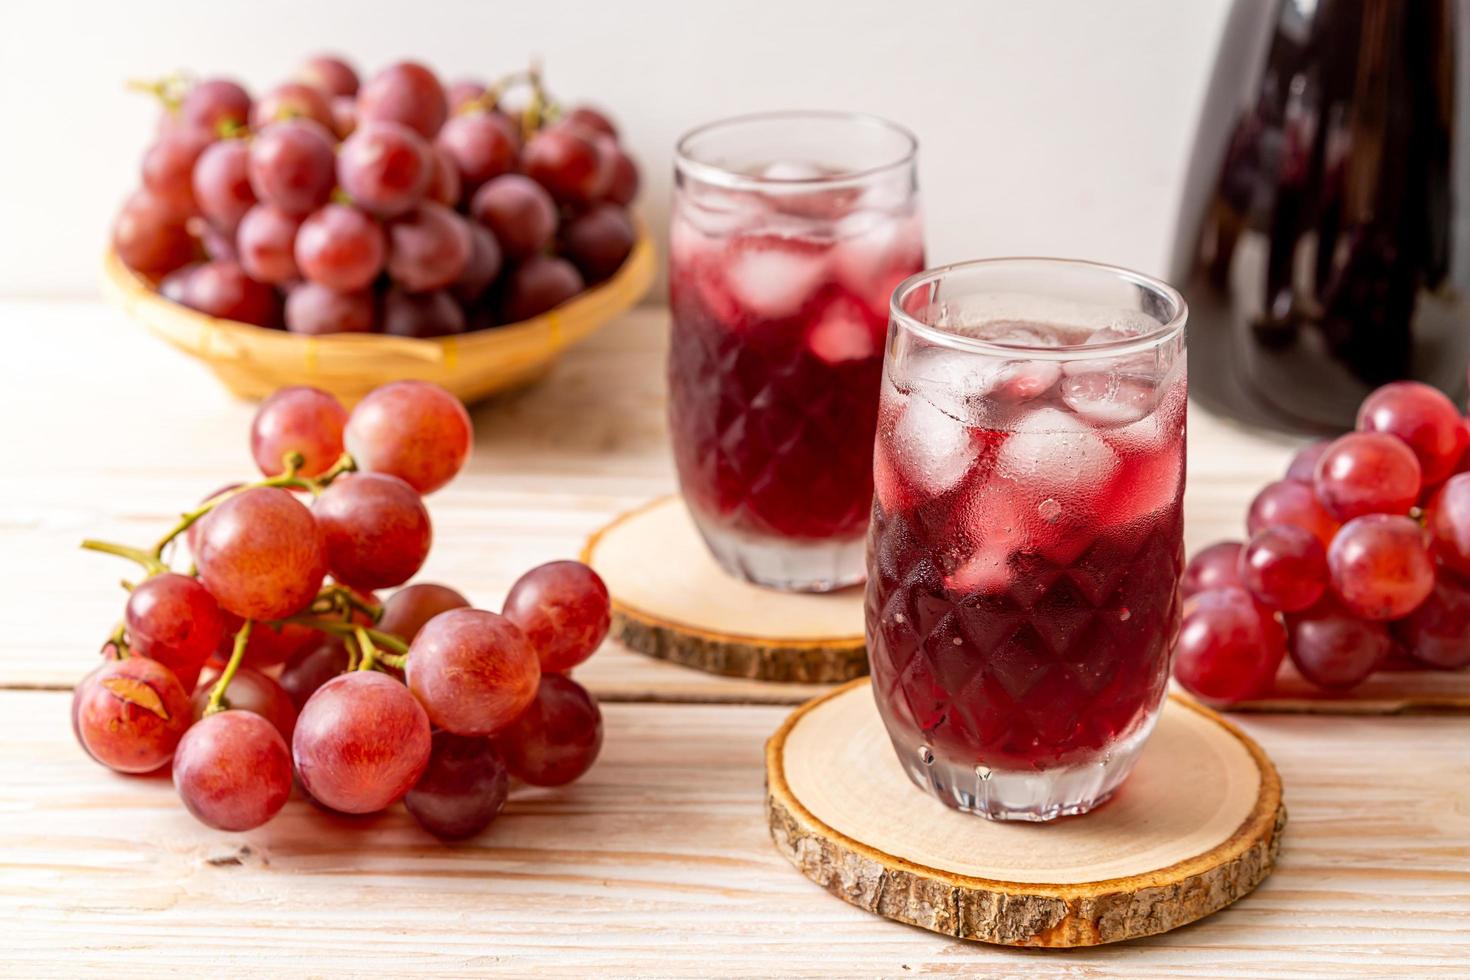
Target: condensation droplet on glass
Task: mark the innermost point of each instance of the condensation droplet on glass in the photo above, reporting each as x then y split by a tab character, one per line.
983	772
1124	614
957	641
926	756
898	617
1050	510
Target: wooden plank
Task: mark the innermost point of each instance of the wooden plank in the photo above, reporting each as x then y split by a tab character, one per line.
658	864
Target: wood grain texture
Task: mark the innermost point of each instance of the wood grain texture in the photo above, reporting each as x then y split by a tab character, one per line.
673	602
108	873
1197	826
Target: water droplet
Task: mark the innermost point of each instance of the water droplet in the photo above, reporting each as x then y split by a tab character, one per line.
983	772
898	617
957	641
1050	510
1124	615
926	756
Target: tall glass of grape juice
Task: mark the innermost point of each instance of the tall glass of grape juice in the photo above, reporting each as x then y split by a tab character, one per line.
1027	532
789	233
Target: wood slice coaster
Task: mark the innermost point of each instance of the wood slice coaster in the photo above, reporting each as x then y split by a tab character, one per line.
1387	692
672	601
1196	826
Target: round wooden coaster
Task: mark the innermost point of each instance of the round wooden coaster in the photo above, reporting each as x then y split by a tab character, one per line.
672	601
1196	826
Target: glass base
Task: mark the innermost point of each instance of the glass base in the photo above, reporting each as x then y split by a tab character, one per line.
786	564
1029	795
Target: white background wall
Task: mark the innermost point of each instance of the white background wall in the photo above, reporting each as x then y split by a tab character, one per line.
1057	127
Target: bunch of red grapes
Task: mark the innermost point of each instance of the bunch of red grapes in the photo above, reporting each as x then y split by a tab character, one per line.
297	667
1359	558
400	206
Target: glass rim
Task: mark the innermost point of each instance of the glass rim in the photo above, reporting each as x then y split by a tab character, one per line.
1128	345
686	163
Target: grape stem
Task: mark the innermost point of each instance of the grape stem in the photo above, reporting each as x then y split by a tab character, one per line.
152	563
217	694
369	651
289	480
119	639
336	628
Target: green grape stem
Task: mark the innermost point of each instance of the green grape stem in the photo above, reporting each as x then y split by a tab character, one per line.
217	693
152	563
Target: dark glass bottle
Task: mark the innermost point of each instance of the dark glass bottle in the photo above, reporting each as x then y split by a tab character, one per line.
1332	255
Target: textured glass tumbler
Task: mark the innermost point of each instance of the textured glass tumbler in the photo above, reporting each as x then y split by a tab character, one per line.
789	233
1027	533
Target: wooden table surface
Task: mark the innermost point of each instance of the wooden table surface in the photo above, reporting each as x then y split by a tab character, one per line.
658	861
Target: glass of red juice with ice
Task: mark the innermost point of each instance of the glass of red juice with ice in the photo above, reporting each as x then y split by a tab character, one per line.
788	234
1027	533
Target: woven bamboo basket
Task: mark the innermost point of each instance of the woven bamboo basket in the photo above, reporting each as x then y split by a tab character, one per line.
253	361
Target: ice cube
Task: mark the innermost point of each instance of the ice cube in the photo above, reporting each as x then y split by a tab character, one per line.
773	277
951	381
1109	397
933	449
876	251
1013	382
843	331
1054	453
1142	362
995	530
791	170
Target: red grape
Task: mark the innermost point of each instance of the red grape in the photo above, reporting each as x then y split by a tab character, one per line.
293	100
313	309
463	789
1367	473
589	118
1284	567
428	248
267	244
1303	468
624	184
233	771
483	267
423	315
249	690
130	714
149	237
1438	632
267	646
384	167
1380	566
1447	519
168	168
344	116
1424	419
298	419
361	742
175	286
564	610
222	184
566	160
261	554
311	668
293	165
482	145
376	530
173	619
1214	567
1335	649
406	93
1290	502
218	244
330	74
520	213
1229	646
445	186
340	247
216	105
408	609
557	738
413	430
222	289
598	241
537	285
474	671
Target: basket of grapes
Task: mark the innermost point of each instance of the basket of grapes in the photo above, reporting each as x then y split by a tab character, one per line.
344	235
